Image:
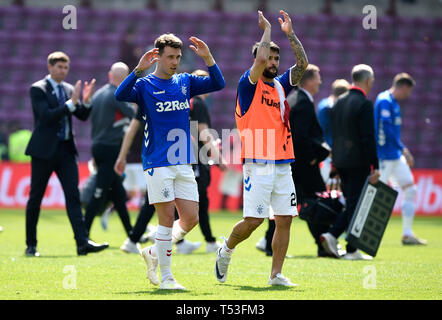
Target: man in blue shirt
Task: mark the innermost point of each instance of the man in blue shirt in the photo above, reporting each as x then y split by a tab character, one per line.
339	86
167	153
395	160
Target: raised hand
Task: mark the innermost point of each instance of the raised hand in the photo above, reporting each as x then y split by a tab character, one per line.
202	50
286	24
88	88
199	47
148	59
76	93
263	22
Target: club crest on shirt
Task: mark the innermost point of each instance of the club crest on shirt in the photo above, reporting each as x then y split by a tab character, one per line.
184	90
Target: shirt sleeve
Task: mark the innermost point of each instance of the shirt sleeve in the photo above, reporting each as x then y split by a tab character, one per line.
128	90
201	85
284	80
246	92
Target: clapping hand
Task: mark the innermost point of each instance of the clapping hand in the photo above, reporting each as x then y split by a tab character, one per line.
263	22
88	88
76	93
286	24
87	91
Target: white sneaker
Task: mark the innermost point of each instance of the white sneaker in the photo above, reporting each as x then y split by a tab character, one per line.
280	280
131	247
357	255
212	246
413	240
261	244
187	247
171	284
221	266
330	244
152	266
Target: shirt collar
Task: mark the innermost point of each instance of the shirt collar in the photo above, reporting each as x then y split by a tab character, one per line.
307	93
359	89
53	83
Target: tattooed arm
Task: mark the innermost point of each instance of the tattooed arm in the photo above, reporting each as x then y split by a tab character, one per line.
297	70
262	54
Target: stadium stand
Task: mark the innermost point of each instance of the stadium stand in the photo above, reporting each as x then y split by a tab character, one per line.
333	42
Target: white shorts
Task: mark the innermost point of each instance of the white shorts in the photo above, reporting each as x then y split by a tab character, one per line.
396	171
134	179
268	190
164	184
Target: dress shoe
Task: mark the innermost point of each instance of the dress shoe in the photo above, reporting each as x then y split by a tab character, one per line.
31	251
91	246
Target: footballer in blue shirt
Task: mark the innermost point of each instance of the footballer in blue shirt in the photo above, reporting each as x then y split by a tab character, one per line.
395	160
167	153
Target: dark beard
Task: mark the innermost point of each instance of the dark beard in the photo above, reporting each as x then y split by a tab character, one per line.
269	74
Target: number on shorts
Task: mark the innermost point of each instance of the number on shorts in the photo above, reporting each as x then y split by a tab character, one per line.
293	200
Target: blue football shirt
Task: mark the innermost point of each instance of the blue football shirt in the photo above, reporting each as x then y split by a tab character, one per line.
165	108
387	122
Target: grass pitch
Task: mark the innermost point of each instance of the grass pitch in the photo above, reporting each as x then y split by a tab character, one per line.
397	272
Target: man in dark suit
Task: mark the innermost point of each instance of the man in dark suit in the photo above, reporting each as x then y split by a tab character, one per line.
353	152
307	141
52	148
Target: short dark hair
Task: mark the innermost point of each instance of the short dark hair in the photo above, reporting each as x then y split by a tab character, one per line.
168	40
309	73
403	79
57	56
273	46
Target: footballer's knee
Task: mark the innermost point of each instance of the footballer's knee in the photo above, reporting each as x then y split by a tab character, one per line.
409	192
189	221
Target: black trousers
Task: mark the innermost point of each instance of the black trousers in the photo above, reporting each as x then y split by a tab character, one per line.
109	185
269	235
308	181
203	181
64	164
352	182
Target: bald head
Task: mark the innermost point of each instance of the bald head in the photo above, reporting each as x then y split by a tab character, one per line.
118	73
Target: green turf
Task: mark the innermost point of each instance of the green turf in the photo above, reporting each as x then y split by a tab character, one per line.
400	272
